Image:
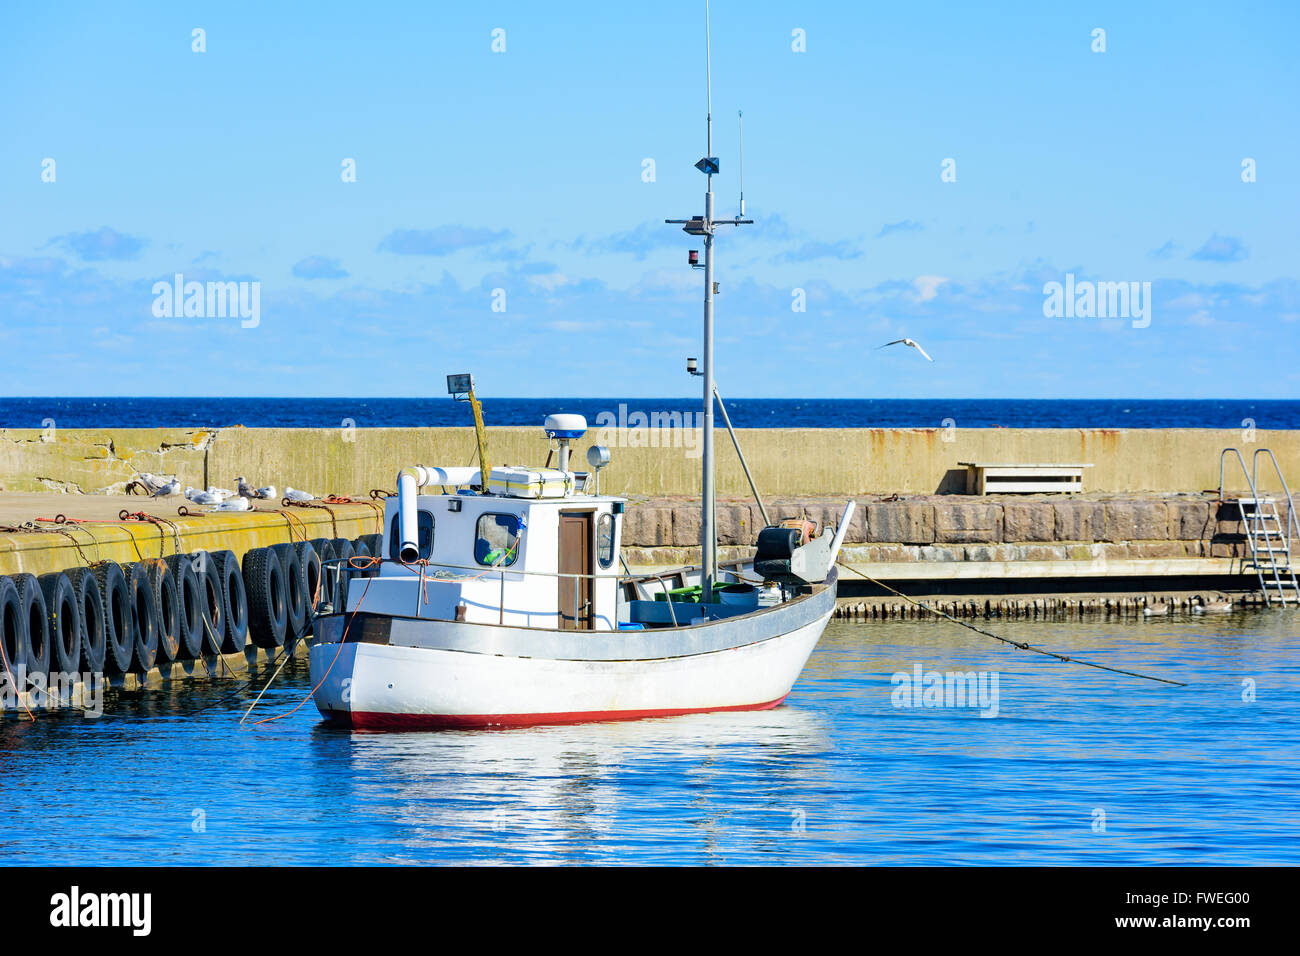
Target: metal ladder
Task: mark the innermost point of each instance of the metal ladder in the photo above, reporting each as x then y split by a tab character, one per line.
1269	538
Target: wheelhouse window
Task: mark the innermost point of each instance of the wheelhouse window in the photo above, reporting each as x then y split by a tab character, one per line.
496	540
424	532
605	540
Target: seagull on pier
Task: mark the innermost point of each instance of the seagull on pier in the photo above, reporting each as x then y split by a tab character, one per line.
293	494
200	497
910	343
166	491
248	491
234	504
154	485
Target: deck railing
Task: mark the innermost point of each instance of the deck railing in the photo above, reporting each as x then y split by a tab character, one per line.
421	573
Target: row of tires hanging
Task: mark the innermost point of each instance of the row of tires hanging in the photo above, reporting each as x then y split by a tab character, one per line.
129	618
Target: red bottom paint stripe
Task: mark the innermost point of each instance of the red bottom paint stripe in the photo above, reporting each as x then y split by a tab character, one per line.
369	720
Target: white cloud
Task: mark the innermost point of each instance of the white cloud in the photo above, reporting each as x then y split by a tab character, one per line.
927	287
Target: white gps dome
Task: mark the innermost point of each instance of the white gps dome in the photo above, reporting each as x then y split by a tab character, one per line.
565	426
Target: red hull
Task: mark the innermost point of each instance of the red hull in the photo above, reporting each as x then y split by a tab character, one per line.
365	720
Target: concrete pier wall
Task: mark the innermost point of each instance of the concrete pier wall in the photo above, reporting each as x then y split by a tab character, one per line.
658	462
41	547
956	538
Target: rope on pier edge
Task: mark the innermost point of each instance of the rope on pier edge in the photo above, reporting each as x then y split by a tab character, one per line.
1017	644
30	527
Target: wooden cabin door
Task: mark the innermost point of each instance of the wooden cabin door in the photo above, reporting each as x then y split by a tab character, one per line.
575	558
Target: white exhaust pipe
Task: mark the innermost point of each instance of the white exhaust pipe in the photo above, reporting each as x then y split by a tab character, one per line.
408	488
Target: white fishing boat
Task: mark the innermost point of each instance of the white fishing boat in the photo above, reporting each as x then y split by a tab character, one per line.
505	602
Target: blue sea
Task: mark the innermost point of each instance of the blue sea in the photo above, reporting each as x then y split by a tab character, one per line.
744	412
1078	766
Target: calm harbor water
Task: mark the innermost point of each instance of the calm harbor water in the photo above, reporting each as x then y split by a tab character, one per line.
1078	766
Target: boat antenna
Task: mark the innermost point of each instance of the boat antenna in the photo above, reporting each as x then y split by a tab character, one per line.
705	227
708	81
740	155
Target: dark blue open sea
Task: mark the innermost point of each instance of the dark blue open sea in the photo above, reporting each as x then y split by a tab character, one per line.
744	412
1078	766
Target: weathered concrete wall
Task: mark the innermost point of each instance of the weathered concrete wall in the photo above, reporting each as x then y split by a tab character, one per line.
98	461
950	528
785	462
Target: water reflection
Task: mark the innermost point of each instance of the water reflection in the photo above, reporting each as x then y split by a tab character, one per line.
559	793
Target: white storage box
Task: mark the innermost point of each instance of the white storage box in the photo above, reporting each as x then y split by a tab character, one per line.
530	482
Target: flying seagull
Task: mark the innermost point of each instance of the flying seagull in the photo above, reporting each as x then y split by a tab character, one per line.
910	343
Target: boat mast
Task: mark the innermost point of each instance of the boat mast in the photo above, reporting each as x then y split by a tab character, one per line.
705	226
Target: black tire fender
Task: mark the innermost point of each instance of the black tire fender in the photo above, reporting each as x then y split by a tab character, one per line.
312	577
343	551
214	601
189	592
90	605
36	619
232	586
295	587
13	634
268	603
64	622
167	603
144	615
119	625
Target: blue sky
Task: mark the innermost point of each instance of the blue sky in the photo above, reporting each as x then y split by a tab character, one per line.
522	171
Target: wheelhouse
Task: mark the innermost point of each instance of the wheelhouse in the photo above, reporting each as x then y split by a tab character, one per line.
549	562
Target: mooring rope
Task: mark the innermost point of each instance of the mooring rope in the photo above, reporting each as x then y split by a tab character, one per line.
13	682
342	643
158	523
31	528
284	659
1006	640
